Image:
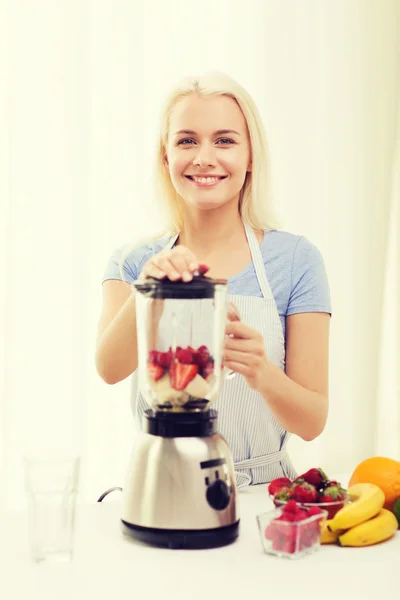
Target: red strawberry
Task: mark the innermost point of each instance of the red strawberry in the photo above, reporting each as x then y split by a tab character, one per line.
301	515
331	482
315	510
185	356
153	354
201	357
333	493
291	507
315	477
181	375
156	371
287	545
310	533
299	480
278	484
287	517
164	358
305	493
284	494
270	532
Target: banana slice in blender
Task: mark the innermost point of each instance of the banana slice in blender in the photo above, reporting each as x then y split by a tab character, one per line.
198	387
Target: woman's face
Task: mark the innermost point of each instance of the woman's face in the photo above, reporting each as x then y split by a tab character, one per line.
208	151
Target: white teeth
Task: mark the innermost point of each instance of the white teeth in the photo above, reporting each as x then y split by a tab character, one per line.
206	179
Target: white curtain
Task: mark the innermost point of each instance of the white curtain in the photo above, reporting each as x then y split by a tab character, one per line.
84	80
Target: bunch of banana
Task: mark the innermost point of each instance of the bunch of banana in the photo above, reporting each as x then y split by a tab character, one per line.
363	521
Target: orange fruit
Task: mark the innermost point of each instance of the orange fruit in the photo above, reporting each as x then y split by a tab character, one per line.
383	472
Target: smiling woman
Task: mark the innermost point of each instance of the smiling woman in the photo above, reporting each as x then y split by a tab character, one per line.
214	176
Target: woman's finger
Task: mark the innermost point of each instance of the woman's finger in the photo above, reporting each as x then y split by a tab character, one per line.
239	330
181	265
237	356
238	367
152	270
181	252
164	264
239	344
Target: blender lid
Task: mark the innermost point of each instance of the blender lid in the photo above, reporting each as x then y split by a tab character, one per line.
200	287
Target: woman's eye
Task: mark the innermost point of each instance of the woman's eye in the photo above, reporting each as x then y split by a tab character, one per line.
226	141
183	142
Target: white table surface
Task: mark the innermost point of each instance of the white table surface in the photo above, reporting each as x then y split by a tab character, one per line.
106	564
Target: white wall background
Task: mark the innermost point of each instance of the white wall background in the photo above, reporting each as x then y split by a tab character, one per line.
83	83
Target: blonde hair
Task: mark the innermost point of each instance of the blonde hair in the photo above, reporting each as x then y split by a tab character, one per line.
255	202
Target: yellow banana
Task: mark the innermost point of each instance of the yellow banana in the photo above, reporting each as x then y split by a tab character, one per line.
366	500
327	536
375	530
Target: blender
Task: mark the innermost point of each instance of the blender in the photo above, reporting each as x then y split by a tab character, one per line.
180	488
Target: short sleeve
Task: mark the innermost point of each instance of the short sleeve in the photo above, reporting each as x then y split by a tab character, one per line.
309	282
119	266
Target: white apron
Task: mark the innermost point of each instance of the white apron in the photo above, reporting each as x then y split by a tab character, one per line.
256	440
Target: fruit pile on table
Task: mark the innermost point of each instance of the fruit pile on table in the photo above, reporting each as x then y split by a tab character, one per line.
367	513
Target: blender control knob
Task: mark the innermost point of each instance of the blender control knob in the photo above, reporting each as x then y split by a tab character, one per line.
218	495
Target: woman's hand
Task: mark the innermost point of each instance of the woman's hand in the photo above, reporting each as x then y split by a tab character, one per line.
244	350
177	263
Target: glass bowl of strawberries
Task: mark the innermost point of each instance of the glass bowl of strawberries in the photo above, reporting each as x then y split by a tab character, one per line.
291	531
311	489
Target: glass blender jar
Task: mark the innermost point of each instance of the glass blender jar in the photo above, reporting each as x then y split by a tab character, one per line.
181	328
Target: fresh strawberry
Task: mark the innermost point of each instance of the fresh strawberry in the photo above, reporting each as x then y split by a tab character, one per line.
287	517
201	357
164	358
156	371
300	515
333	493
299	480
305	493
270	532
314	510
287	545
315	477
181	375
331	482
184	355
284	494
291	507
310	532
153	355
278	484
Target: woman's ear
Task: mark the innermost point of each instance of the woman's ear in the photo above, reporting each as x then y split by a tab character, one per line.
166	165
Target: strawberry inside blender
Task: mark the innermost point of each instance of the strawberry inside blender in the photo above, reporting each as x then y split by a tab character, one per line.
181	377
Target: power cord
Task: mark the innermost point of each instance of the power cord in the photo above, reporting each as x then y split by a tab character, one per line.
104	494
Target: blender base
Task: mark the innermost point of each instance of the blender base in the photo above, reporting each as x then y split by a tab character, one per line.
188	539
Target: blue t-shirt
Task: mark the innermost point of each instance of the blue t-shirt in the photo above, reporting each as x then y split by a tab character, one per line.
294	266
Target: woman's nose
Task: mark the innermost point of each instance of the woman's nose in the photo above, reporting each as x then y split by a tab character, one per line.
205	157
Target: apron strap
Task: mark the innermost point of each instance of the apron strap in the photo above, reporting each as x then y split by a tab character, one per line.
258	262
259	461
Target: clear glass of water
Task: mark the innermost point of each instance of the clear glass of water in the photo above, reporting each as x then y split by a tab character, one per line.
51	484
